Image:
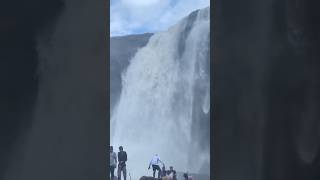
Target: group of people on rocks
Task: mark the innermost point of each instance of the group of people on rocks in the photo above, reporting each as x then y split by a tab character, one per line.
122	158
155	162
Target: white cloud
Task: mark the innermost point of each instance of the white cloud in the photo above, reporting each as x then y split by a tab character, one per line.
139	16
140	2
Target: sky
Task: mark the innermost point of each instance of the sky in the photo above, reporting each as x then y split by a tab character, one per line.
142	16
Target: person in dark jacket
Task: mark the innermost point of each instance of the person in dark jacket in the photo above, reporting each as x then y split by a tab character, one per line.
174	173
122	158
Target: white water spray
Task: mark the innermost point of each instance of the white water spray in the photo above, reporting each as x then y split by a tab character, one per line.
154	113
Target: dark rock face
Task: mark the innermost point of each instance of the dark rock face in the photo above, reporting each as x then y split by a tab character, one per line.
122	49
20	24
53	99
266	90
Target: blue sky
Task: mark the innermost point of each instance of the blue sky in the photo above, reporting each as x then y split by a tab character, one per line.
140	16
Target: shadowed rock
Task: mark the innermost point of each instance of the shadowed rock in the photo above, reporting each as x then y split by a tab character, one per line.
266	90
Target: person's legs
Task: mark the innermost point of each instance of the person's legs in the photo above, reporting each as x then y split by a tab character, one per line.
154	170
119	173
112	172
124	170
159	171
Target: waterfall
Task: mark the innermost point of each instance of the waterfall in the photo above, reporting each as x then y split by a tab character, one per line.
160	88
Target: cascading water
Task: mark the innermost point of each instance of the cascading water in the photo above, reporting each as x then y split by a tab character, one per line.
155	112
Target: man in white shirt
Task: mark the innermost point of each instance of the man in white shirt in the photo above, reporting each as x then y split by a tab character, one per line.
113	162
155	165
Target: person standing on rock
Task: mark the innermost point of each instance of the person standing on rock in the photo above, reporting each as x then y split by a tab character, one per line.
155	165
113	162
122	158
